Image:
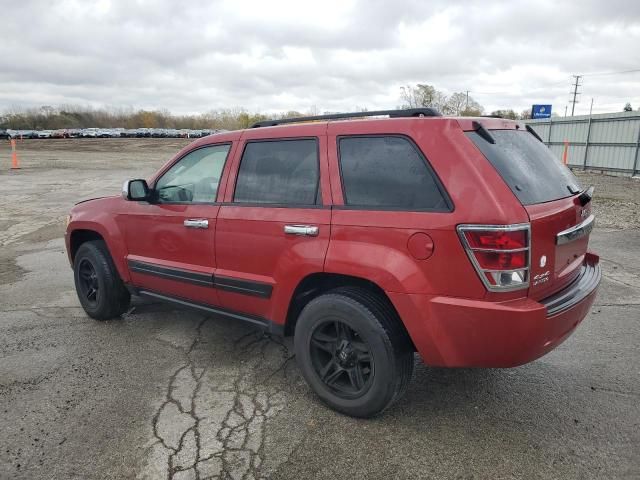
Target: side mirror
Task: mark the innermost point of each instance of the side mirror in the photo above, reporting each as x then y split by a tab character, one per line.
135	190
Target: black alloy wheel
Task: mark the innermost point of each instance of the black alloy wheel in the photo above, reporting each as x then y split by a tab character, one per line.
88	282
100	289
353	351
342	359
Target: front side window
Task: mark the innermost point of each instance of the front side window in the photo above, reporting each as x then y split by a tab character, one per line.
279	172
194	178
387	172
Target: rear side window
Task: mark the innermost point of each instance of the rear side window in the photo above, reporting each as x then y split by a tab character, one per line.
388	172
527	166
278	172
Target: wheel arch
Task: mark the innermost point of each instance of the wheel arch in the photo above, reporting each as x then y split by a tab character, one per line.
316	284
80	236
86	233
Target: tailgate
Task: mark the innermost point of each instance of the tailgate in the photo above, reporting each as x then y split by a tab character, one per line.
559	239
559	213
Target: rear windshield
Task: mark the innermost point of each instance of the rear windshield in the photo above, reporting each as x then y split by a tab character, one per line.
527	166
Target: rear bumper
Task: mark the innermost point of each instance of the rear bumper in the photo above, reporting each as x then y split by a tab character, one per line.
455	332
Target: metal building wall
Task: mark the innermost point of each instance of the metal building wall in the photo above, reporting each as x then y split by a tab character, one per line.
608	142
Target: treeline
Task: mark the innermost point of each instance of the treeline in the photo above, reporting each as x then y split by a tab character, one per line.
53	118
50	118
458	103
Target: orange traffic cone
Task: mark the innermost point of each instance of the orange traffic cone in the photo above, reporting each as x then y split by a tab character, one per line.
565	152
15	165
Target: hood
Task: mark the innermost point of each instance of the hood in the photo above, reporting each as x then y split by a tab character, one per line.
95	198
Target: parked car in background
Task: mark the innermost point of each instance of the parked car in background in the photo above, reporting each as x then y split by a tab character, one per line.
24	134
4	134
463	239
45	134
90	132
143	132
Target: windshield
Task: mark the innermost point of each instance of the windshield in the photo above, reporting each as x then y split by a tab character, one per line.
527	166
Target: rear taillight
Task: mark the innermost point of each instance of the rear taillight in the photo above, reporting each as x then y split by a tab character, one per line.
499	253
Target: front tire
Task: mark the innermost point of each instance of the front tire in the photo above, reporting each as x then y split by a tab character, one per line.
353	351
98	285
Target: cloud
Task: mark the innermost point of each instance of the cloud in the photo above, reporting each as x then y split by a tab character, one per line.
335	55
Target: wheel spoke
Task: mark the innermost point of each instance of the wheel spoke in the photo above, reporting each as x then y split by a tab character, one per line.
342	331
330	379
355	377
324	337
91	293
364	357
327	346
327	368
360	346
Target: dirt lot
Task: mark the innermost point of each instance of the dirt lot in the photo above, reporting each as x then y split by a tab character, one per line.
169	393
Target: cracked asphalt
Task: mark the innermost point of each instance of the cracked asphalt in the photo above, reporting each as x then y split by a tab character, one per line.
166	393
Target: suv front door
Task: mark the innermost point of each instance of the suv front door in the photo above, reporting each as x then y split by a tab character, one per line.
274	226
170	240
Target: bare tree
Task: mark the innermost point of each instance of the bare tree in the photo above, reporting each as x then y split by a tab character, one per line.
506	114
526	114
422	95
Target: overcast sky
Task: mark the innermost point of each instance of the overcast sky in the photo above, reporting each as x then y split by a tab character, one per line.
270	55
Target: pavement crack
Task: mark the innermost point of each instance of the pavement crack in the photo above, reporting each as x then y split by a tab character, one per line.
214	427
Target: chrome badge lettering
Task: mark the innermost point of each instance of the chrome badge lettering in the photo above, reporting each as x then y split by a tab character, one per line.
541	278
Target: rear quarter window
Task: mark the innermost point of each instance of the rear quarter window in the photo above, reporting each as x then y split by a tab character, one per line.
388	172
533	174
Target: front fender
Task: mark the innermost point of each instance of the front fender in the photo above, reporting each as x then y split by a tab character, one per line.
102	222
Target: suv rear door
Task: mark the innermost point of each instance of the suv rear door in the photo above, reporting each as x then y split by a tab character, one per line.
274	226
558	207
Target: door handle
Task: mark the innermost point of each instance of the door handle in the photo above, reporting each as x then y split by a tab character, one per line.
309	230
196	223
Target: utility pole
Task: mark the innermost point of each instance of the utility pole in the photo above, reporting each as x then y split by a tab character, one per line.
575	92
565	111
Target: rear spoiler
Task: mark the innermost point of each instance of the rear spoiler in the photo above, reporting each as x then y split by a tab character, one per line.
586	196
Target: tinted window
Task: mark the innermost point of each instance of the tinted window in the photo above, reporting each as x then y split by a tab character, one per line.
279	172
194	178
527	166
387	172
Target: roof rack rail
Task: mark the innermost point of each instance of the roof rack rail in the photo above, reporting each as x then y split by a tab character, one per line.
409	112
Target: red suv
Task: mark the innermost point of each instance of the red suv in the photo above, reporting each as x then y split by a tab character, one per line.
366	239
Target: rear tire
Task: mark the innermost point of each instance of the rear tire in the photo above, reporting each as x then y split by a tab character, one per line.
98	284
353	351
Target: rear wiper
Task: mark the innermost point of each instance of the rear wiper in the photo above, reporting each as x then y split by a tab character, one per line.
586	196
483	132
533	132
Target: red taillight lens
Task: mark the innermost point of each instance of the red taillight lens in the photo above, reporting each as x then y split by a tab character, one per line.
496	239
501	260
499	253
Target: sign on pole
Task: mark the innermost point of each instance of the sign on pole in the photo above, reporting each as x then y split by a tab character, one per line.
541	111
